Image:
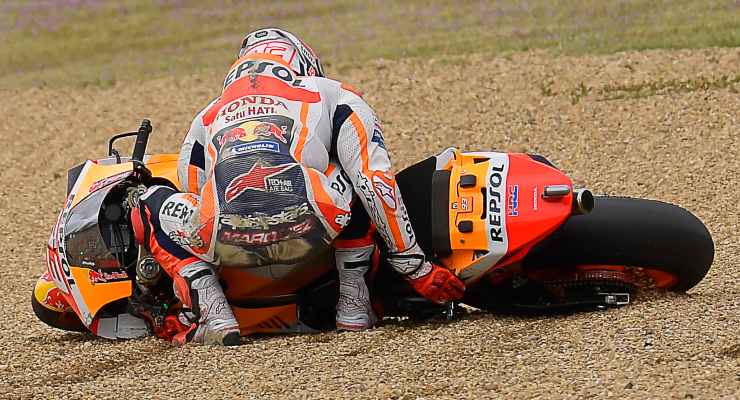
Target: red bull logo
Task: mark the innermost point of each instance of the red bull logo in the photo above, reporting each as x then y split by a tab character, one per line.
267	129
105	277
253	130
232	136
55	299
96	277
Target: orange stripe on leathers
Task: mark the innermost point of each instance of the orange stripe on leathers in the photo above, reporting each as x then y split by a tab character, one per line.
298	154
362	135
327	207
206	209
390	213
192	179
329	169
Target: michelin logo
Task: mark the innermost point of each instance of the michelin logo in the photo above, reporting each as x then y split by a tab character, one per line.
256	146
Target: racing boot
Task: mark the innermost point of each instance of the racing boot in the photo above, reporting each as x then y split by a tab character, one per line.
206	311
354	310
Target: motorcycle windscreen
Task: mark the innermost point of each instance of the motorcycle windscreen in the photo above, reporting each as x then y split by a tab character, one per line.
84	244
97	252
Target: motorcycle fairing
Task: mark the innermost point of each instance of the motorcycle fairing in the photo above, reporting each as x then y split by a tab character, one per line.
485	210
77	274
96	175
496	211
275	319
93	278
121	326
49	295
536	216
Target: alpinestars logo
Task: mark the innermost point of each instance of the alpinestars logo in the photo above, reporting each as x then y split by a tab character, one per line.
259	178
385	190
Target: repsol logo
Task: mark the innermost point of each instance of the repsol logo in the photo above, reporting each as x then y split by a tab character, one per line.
64	264
495	199
177	210
262	67
66	269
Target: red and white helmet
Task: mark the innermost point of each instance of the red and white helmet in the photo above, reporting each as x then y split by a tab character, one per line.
277	42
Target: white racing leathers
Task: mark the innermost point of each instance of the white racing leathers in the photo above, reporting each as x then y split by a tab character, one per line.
272	119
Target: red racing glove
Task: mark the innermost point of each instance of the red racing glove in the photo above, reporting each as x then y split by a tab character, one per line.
172	328
437	284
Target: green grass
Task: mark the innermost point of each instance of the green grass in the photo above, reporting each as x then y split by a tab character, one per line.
82	42
643	89
659	87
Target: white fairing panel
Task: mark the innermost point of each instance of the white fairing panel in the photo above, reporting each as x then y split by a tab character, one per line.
124	326
59	266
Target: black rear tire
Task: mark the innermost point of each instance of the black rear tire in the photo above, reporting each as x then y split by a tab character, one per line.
632	232
67	320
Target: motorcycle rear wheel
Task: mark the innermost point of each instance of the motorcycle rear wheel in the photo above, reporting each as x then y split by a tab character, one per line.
665	242
624	231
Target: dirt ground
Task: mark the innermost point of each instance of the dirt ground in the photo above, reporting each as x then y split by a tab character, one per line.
656	124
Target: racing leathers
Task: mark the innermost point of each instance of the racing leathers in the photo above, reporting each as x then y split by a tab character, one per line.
325	126
277	161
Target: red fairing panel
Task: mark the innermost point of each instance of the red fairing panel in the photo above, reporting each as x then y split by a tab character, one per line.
530	217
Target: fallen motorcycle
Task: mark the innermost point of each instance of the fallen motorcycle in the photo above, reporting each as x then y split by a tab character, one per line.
511	226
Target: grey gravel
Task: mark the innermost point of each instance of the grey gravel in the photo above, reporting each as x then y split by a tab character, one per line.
679	144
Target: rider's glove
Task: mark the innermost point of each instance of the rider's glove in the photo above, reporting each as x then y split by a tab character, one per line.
436	283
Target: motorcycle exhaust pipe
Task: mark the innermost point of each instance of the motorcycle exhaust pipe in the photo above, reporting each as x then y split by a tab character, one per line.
583	201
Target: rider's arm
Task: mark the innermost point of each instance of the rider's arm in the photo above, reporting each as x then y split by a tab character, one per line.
358	144
191	166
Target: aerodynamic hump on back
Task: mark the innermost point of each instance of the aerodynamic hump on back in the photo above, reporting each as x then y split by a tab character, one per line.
496	209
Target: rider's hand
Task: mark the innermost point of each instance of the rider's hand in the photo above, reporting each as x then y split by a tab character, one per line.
438	284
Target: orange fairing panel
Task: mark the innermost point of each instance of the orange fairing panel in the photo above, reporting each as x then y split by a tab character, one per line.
477	222
94	176
499	213
165	166
98	294
267	319
101	173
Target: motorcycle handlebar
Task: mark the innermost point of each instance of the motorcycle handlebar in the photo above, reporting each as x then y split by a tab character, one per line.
142	137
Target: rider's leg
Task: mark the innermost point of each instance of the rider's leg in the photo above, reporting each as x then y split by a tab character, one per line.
354	250
349	226
159	216
212	321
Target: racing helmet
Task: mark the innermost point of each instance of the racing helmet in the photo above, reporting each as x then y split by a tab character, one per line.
277	42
